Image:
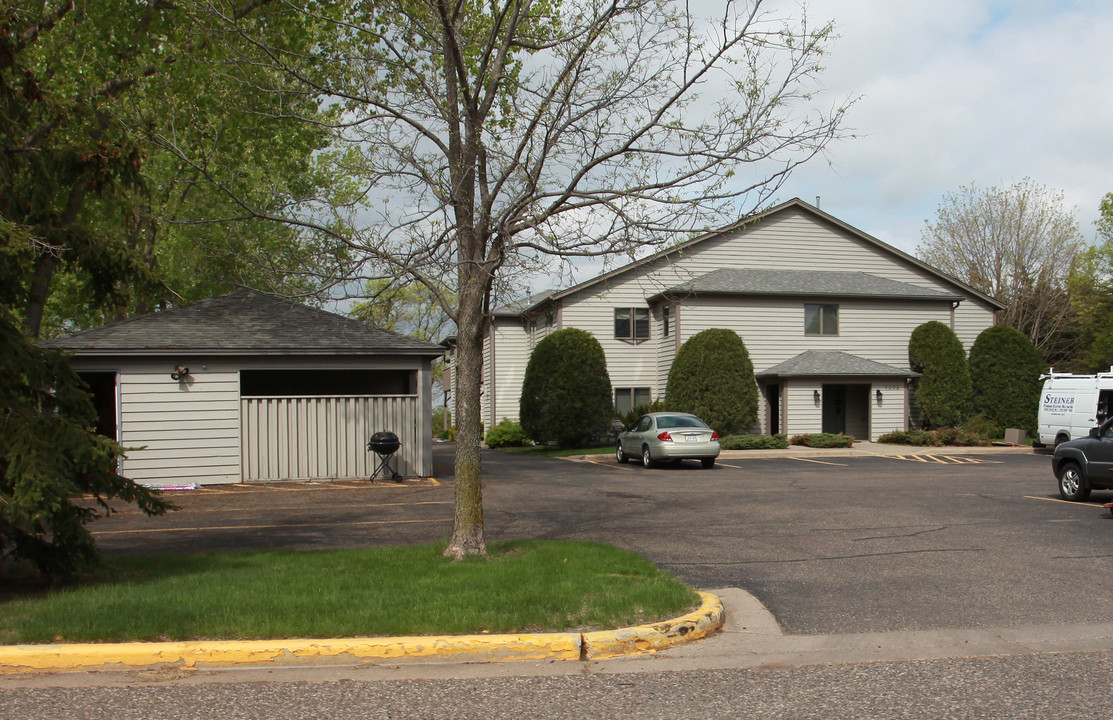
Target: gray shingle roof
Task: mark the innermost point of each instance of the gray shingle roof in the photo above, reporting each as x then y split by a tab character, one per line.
242	323
753	281
813	363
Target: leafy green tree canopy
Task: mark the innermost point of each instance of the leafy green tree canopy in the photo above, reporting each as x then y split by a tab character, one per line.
713	377
943	391
1005	370
1091	297
566	392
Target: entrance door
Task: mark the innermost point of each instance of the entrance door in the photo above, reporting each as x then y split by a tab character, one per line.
846	410
773	403
834	409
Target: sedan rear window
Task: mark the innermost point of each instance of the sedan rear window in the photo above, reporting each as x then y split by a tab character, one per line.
673	421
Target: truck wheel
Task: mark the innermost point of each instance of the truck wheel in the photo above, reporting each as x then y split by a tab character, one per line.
1060	439
1072	483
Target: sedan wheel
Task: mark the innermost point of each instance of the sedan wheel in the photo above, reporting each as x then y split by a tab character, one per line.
1072	483
647	457
619	455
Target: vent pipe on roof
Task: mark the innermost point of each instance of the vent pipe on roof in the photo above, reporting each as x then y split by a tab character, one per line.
817	202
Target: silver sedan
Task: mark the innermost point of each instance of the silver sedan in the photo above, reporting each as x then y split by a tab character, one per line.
671	436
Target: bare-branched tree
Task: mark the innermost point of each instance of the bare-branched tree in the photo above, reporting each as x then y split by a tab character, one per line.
1018	244
479	137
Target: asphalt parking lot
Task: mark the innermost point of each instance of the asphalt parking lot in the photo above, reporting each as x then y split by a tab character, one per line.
830	545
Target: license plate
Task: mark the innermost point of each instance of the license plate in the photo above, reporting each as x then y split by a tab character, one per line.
692	438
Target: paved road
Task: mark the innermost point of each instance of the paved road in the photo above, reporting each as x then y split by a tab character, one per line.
834	545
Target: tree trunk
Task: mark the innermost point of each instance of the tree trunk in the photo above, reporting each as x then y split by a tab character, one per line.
39	292
467	512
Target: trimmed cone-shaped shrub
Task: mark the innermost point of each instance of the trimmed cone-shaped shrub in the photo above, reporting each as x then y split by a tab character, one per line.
943	390
1005	370
713	377
566	392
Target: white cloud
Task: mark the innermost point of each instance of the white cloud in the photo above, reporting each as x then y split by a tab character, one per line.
957	91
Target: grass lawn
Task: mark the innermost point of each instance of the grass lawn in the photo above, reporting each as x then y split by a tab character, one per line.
528	586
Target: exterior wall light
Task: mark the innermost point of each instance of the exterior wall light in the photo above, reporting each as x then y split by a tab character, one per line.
816	396
879	396
180	373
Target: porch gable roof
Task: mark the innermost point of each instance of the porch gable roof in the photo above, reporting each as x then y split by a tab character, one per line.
836	363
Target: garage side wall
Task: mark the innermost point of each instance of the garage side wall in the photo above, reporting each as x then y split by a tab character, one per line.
180	431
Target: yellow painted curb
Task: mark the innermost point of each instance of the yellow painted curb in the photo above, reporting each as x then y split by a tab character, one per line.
470	648
651	638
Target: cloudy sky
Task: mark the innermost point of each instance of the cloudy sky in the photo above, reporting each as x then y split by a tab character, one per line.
955	92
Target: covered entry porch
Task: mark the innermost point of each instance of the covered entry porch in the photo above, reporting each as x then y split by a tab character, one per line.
834	392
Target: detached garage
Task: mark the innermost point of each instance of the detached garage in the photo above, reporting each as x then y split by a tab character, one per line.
251	387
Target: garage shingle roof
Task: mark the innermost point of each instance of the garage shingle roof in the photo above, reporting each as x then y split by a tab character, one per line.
816	363
242	323
816	283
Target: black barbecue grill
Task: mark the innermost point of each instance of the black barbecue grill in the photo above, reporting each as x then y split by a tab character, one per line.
384	444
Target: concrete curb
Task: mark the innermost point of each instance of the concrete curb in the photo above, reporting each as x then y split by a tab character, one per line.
355	651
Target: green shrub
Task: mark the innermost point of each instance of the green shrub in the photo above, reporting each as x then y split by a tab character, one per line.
448	435
566	392
754	442
917	437
713	377
1005	370
628	419
943	390
508	433
981	425
823	440
971	435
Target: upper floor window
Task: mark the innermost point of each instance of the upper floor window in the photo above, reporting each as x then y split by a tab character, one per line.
665	321
631	323
821	319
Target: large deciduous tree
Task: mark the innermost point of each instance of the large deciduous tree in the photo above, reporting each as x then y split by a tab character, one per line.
84	87
488	135
1017	244
104	97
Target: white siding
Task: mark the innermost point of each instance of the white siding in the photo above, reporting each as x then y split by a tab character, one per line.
180	432
194	431
772	328
892	412
970	320
506	351
802	412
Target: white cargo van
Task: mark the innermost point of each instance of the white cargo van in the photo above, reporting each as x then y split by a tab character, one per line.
1072	404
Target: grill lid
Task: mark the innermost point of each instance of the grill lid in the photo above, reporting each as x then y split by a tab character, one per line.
384	442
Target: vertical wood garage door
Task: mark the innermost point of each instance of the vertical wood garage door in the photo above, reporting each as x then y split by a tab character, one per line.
319	438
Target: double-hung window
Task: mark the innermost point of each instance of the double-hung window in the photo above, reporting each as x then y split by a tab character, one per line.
626	399
821	319
631	324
